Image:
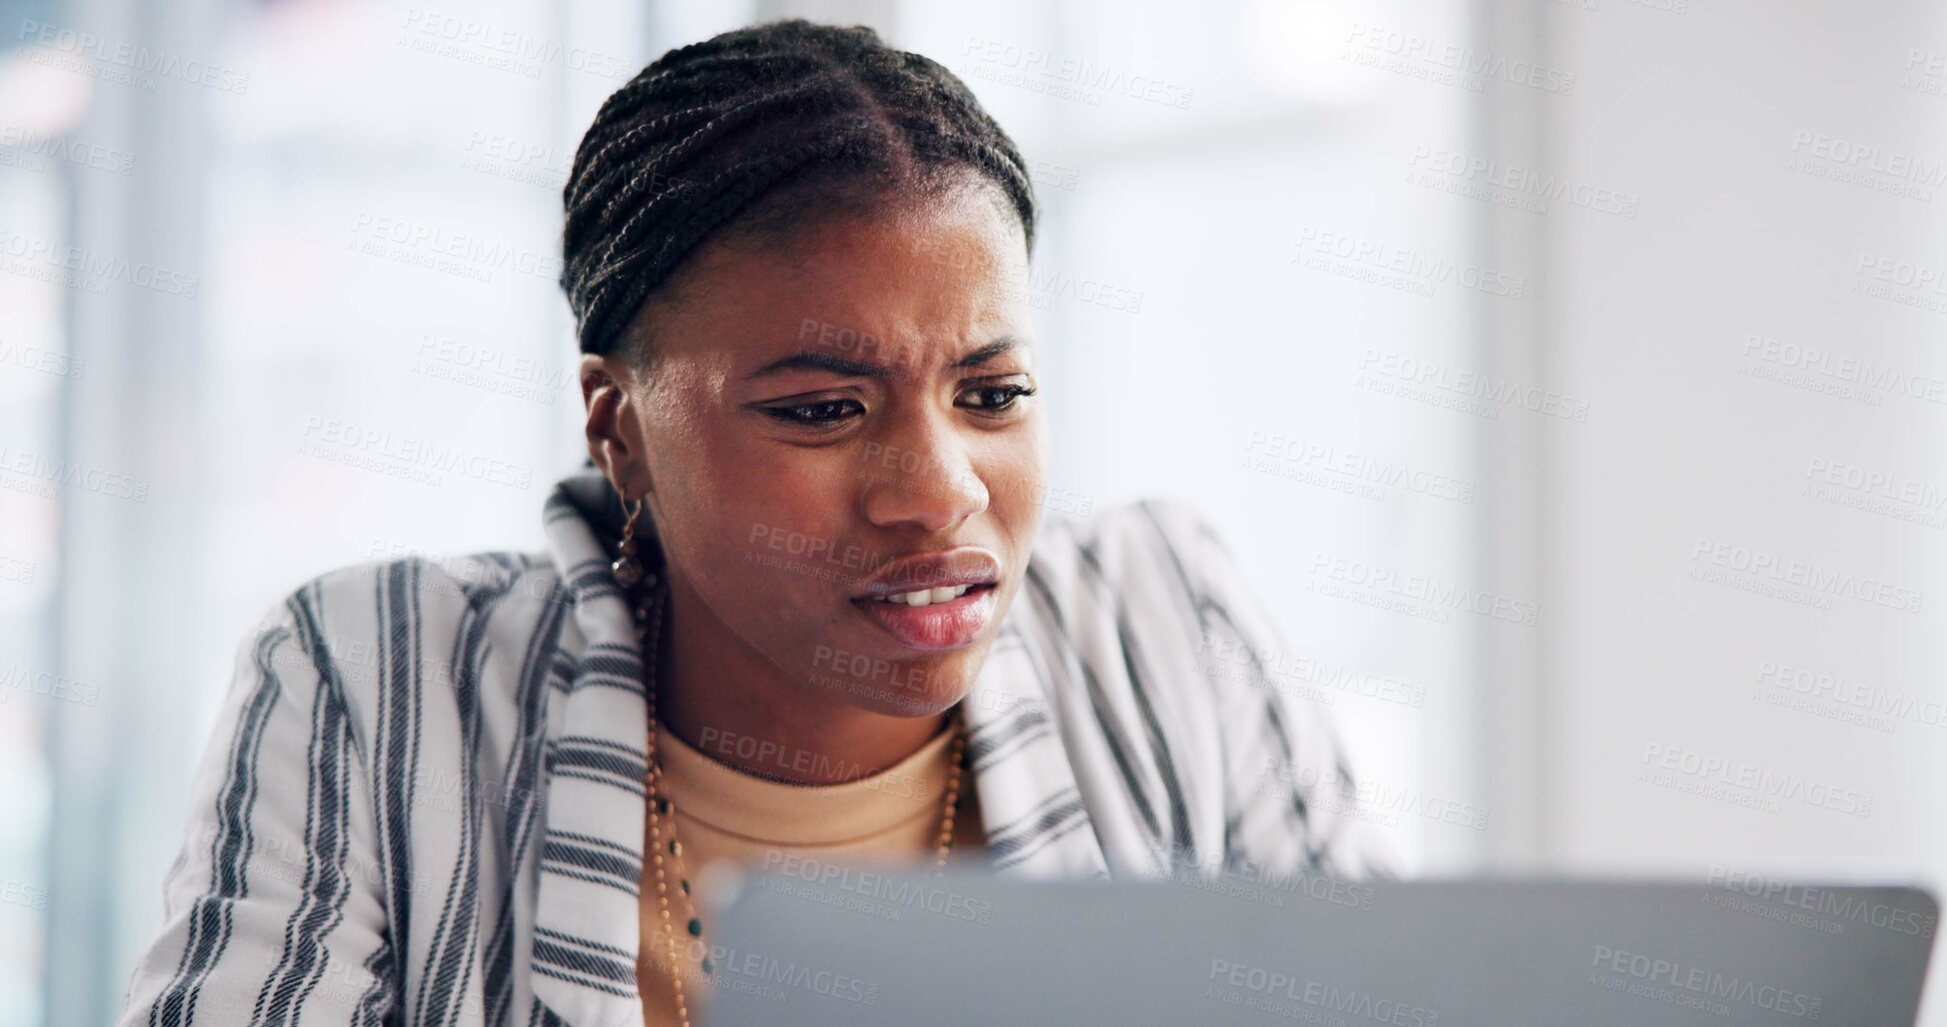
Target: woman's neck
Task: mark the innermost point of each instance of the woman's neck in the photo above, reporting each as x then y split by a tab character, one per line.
725	700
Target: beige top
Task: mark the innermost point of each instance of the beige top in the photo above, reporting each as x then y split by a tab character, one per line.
723	813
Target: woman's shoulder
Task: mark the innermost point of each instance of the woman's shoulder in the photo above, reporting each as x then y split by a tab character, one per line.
433	582
1136	551
1150	599
417	617
1129	590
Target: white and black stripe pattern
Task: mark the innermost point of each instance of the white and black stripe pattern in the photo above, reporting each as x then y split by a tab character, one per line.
423	801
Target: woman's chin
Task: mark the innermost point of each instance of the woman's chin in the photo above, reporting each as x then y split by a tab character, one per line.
902	685
878	697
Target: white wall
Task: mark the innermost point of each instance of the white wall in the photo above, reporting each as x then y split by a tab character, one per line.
1712	115
1688	442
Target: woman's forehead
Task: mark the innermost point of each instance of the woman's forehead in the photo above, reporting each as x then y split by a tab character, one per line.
902	289
823	348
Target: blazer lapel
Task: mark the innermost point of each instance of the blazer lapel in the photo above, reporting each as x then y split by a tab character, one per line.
582	965
1036	822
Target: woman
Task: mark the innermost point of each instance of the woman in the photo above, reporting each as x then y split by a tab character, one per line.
803	604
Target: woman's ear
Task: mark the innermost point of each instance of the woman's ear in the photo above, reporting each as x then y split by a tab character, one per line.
613	430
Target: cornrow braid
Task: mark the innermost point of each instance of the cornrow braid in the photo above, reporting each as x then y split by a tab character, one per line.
708	130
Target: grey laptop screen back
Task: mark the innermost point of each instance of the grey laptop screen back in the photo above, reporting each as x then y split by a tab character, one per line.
861	948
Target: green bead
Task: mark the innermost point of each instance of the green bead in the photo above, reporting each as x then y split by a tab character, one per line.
685	885
696	928
707	965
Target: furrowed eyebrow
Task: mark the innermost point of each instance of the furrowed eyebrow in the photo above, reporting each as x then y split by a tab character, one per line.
988	352
814	360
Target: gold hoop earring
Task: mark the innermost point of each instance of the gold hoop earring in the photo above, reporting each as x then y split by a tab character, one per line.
626	568
629	572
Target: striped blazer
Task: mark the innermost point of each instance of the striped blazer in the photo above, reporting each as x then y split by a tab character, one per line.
423	800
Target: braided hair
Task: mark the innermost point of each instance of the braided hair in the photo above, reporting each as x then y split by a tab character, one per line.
768	125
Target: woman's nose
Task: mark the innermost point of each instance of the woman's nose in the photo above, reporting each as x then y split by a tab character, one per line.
922	478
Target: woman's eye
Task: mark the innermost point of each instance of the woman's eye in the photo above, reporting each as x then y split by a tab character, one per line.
1000	397
827	413
820	414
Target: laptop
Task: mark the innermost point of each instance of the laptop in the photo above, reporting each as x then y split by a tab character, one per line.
861	948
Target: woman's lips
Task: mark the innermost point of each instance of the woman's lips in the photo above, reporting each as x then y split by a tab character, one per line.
936	626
